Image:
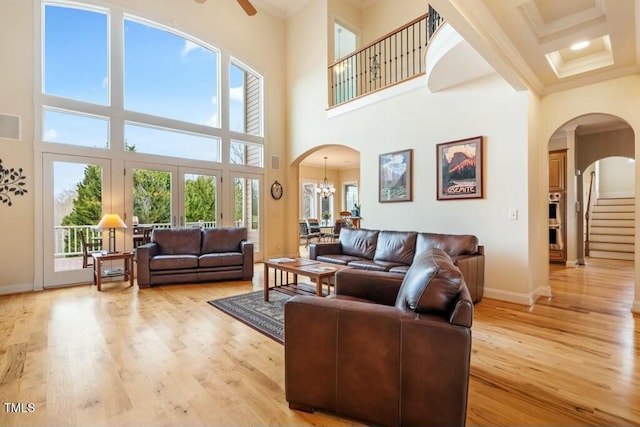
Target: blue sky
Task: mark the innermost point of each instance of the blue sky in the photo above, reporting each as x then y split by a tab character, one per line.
164	75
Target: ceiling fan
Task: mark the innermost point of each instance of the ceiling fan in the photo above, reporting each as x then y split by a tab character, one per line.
245	4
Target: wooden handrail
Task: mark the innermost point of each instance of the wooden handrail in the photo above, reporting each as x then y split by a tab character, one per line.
586	214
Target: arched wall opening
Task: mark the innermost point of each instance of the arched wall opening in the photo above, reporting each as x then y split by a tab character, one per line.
600	168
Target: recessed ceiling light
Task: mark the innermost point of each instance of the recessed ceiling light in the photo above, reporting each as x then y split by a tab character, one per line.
579	45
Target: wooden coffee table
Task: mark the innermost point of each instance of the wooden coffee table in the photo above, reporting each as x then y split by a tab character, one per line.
321	272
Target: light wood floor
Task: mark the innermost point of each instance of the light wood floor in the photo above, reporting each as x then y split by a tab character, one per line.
163	356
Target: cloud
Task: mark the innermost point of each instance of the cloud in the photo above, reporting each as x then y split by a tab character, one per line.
50	135
105	81
188	47
236	93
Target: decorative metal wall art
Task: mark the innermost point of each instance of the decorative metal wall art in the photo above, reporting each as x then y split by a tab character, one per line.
12	182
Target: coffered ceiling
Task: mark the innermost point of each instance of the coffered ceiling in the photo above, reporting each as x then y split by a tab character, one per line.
530	41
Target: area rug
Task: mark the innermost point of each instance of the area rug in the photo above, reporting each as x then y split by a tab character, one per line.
266	317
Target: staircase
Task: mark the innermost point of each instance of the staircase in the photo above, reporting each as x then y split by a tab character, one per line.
612	229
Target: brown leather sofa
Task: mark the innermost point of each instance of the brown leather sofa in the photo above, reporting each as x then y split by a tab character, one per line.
387	355
394	252
186	255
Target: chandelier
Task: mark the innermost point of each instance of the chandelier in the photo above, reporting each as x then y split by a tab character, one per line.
325	190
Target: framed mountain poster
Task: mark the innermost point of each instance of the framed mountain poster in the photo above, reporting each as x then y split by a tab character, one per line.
459	169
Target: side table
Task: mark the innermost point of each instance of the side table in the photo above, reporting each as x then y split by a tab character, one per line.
99	258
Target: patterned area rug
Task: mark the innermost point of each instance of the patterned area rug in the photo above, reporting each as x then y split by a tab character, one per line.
264	316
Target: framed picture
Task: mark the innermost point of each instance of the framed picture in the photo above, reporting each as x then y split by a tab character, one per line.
394	177
459	169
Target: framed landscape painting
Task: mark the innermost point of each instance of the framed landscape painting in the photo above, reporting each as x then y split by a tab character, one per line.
394	177
459	169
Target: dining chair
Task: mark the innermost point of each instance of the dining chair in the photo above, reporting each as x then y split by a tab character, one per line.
305	234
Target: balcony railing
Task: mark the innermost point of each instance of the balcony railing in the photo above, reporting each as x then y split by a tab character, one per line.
68	243
392	59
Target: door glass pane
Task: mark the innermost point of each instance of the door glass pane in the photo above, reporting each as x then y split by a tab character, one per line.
169	76
246	153
76	54
247	207
200	207
77	208
152	197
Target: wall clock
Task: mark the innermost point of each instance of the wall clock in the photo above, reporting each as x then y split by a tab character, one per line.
276	190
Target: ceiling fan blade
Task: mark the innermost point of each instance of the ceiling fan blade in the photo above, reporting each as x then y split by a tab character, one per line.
248	7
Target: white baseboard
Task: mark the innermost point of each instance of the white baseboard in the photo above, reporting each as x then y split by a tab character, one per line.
16	289
518	298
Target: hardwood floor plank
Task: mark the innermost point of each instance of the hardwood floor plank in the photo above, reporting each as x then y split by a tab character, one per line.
163	356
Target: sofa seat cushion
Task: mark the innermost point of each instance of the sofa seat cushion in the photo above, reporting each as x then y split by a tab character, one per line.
177	241
402	269
358	242
223	239
432	283
372	265
395	246
220	259
173	262
338	259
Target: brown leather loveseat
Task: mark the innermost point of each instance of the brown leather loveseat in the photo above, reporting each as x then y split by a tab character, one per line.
380	353
185	255
394	251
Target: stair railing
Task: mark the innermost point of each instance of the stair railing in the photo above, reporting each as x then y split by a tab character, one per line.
586	214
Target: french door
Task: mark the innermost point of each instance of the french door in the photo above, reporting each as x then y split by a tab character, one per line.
76	194
166	196
247	207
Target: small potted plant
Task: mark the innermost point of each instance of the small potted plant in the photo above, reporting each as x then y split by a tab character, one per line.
326	217
355	212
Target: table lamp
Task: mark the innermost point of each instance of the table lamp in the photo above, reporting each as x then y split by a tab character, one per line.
111	222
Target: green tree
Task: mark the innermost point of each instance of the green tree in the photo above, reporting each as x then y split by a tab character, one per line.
87	205
200	200
152	196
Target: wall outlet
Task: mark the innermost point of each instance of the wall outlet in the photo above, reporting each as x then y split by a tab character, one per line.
513	214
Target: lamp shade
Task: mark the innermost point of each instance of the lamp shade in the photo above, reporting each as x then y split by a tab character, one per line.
111	221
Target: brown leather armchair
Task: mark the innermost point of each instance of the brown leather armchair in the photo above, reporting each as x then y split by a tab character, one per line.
386	350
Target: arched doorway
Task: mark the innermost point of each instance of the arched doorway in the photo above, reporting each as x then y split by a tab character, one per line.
339	167
599	170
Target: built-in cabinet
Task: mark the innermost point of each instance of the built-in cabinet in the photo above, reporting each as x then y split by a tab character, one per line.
557	205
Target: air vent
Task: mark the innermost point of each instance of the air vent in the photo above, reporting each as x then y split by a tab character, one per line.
9	127
275	162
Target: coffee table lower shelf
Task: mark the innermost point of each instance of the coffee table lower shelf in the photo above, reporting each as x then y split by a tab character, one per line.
285	276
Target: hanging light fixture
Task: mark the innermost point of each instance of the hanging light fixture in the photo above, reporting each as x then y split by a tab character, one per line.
326	190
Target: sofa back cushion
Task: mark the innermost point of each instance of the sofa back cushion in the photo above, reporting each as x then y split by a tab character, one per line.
452	244
431	284
358	242
177	241
216	240
395	246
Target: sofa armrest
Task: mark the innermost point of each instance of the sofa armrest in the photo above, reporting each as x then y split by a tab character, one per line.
329	248
144	253
376	286
472	268
247	259
351	357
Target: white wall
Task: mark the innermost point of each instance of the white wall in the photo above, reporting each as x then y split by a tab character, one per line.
419	119
616	177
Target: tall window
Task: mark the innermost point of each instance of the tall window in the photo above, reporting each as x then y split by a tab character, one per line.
164	100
